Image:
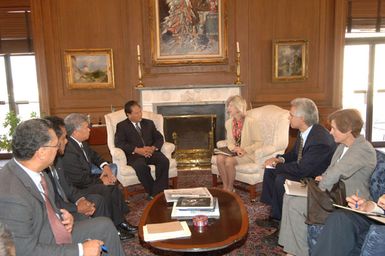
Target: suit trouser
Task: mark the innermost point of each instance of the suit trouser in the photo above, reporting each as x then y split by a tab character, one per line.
101	208
99	228
343	234
142	170
113	199
273	190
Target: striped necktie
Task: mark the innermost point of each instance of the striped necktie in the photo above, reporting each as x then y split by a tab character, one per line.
139	130
300	148
56	180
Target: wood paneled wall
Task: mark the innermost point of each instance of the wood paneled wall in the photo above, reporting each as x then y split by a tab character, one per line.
122	24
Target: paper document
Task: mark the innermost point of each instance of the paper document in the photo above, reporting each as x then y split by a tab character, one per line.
375	216
295	188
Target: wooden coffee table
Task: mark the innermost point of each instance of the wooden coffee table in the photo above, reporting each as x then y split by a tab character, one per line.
231	227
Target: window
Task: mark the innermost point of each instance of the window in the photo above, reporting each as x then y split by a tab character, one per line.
18	87
364	84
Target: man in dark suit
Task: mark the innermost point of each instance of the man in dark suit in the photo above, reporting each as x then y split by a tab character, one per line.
77	201
77	163
310	156
141	142
27	205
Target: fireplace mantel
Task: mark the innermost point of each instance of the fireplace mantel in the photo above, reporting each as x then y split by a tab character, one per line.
151	97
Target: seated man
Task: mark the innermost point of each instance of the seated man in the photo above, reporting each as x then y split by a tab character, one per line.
77	162
344	231
141	141
27	205
77	201
310	156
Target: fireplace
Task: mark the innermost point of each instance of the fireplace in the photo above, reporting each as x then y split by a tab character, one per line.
180	103
194	129
193	136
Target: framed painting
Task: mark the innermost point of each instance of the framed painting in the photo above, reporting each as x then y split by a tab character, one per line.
290	60
89	68
188	31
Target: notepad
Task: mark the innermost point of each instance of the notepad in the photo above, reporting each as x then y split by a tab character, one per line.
166	230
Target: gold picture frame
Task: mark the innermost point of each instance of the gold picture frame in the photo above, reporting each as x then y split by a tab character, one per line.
188	32
89	68
290	60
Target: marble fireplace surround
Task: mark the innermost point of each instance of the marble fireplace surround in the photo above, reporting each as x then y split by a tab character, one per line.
190	100
151	97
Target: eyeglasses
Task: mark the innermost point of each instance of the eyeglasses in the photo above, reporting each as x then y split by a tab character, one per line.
52	146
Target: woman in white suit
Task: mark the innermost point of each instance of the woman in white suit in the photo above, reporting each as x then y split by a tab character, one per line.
242	139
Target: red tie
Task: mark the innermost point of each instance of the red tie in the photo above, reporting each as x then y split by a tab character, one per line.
62	236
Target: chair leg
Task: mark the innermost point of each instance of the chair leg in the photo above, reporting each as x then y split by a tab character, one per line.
253	192
125	193
215	180
174	182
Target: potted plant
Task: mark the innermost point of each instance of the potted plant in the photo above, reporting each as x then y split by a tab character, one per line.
10	123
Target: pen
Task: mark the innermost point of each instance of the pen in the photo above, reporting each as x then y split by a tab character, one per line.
357	194
104	248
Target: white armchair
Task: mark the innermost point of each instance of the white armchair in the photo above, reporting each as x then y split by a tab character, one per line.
273	124
126	174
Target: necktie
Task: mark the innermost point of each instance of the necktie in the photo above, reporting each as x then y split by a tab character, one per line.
138	129
300	149
62	236
56	180
84	152
139	132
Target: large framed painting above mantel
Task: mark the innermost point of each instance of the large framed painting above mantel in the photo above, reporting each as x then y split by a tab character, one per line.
188	31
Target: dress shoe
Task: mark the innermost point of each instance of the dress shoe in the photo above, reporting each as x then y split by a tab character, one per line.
272	239
267	223
149	198
128	227
124	235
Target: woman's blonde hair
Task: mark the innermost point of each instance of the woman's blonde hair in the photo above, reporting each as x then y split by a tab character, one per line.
238	102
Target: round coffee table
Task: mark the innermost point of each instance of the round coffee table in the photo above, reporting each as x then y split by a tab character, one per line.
231	227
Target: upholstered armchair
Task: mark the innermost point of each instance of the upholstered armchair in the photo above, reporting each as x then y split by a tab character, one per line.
273	125
374	240
126	174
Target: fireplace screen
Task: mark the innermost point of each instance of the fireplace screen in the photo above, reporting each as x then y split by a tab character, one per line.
193	136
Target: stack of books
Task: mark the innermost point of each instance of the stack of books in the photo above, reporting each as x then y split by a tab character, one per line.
187	208
189	202
172	195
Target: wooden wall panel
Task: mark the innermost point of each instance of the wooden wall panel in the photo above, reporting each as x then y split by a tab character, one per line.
122	24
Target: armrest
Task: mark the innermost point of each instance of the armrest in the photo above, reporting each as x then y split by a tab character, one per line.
221	143
167	149
374	241
264	153
118	156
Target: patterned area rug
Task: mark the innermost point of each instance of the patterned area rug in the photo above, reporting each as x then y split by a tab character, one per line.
252	244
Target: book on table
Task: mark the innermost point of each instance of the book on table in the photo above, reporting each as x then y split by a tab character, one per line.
295	188
172	195
200	203
224	151
166	230
375	216
184	214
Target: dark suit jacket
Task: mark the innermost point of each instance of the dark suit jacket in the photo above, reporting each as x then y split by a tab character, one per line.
77	168
316	154
72	193
127	138
22	209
